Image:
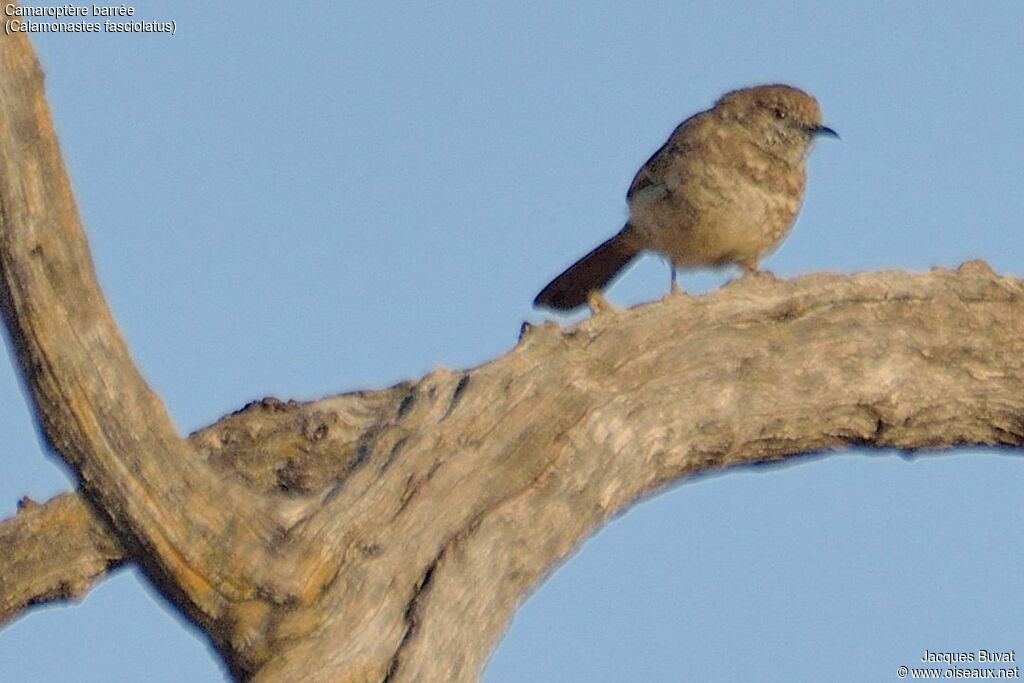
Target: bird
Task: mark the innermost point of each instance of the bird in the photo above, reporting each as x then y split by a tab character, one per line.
725	188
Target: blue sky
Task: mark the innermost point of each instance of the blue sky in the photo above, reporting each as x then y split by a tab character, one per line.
340	196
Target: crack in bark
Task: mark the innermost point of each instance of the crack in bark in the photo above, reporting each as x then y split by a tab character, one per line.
410	616
457	395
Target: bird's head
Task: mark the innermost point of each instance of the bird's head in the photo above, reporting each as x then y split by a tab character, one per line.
781	119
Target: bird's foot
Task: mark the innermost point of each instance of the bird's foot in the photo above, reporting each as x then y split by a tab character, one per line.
751	271
673	290
599	304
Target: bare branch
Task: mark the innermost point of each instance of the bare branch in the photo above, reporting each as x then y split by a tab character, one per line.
206	541
466	495
446	500
59	549
52	552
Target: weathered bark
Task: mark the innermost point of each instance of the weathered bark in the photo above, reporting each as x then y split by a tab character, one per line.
52	552
389	535
207	542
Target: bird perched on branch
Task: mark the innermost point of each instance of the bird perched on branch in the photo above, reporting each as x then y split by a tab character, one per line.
725	188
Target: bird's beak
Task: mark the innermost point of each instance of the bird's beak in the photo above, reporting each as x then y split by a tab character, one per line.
823	130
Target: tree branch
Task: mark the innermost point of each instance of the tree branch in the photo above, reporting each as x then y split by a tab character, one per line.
52	552
481	481
57	550
207	542
446	500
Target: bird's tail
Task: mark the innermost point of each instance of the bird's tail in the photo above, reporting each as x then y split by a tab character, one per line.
592	272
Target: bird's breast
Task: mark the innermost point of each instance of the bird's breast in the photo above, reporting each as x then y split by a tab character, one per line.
727	204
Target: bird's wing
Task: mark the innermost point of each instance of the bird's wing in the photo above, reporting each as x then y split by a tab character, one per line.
650	176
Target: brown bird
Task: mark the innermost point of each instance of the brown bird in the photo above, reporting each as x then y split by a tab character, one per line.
725	188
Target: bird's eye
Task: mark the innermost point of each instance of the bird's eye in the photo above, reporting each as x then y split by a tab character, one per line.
780	113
